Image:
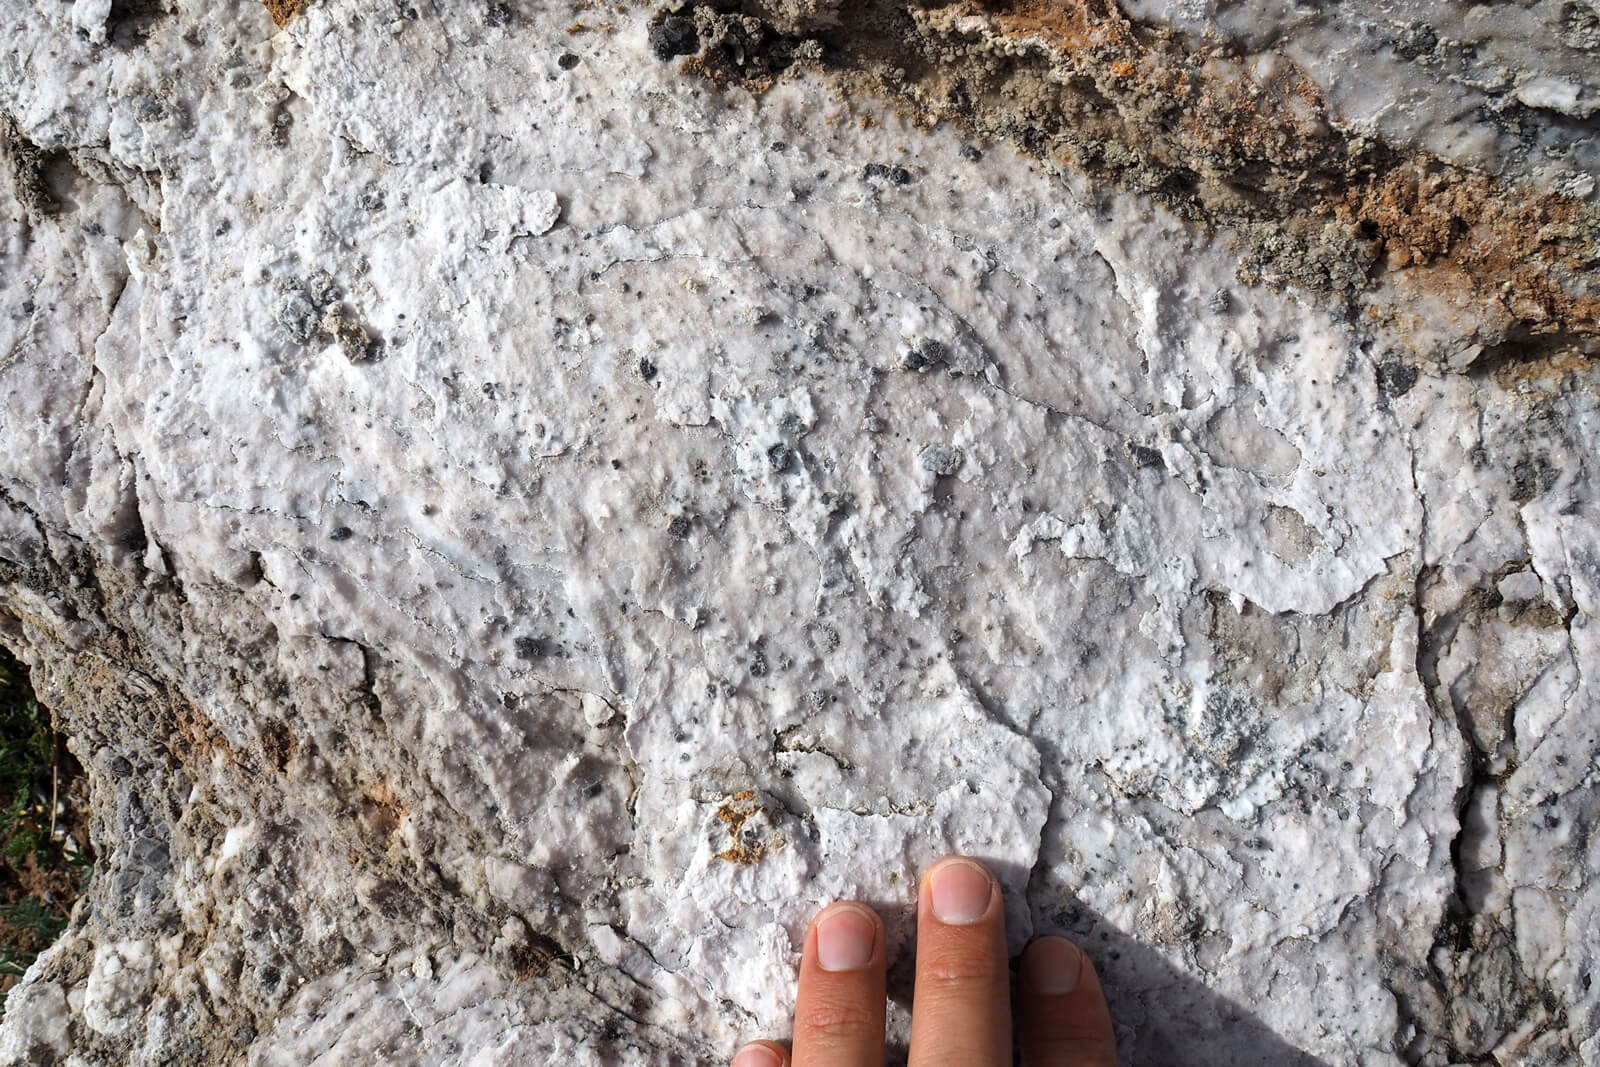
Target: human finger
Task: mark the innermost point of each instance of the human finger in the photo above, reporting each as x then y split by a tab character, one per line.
839	1017
1062	1010
762	1054
961	1008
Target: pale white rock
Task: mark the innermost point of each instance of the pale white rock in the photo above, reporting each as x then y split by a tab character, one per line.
118	984
485	528
90	17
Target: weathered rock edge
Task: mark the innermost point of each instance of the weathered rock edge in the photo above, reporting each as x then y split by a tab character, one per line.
147	745
1313	204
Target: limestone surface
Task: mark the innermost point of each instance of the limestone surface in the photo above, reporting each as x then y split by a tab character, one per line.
517	504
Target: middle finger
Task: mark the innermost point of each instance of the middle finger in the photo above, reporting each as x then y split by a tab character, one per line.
961	1009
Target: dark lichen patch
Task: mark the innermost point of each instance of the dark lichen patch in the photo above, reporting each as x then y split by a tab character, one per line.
1395	378
30	167
941	461
1312	204
729	45
312	313
780	458
1533	477
930	353
1145	456
130	22
672	36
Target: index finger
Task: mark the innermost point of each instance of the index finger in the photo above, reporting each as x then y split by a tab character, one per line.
839	1017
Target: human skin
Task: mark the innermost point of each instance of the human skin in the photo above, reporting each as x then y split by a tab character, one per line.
963	1009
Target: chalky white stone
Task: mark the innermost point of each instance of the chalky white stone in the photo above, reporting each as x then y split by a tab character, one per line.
510	537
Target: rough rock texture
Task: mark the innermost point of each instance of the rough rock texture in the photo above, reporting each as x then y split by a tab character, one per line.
1239	130
512	524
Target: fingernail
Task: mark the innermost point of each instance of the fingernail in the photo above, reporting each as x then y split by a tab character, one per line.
960	892
757	1056
1052	966
845	939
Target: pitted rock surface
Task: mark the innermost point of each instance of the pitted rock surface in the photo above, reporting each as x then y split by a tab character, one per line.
516	505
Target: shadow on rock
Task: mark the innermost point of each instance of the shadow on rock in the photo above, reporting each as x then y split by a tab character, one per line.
1164	1016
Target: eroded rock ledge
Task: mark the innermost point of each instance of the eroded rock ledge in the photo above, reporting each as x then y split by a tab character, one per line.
1250	147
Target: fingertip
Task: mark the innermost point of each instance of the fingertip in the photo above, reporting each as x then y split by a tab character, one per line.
839	1012
1064	1014
849	936
961	1010
960	890
1054	966
762	1054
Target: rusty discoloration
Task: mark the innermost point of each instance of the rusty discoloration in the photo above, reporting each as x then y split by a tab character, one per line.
382	810
748	847
283	12
1251	147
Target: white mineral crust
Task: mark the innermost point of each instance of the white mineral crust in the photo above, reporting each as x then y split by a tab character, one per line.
513	474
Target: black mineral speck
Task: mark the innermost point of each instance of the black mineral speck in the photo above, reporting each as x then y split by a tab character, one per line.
780	457
342	533
498	15
679	527
779	146
567	61
897	175
121	767
528	647
673	36
1396	378
647	370
971	152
